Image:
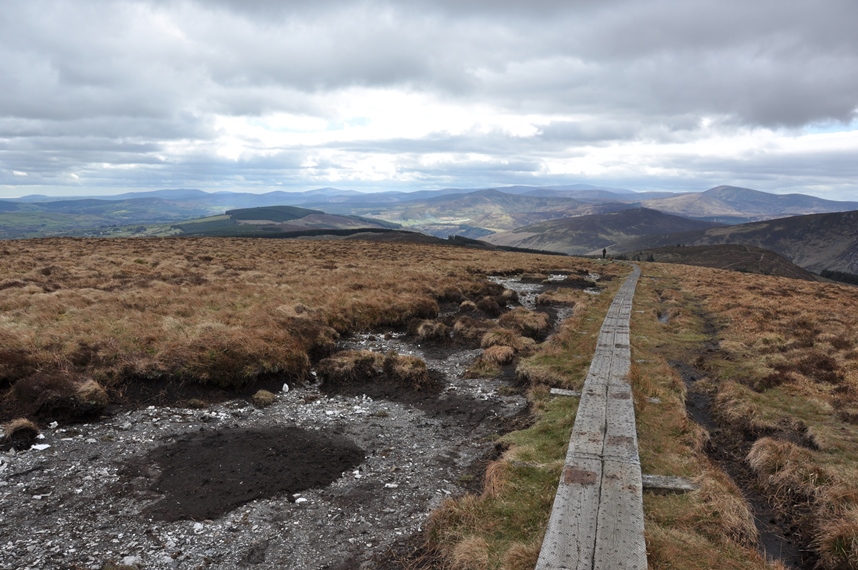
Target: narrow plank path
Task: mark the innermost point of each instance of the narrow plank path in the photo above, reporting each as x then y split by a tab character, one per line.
597	519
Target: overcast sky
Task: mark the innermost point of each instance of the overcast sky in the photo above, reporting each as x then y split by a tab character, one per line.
106	96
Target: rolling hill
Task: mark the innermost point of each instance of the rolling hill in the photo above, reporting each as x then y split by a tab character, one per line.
814	242
449	211
588	235
744	258
273	221
731	205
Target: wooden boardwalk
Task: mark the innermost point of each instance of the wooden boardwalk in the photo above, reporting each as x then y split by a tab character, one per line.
597	518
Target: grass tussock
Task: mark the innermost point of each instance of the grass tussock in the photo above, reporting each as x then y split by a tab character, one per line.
263	398
225	312
506	337
407	370
470	553
58	395
499	354
431	331
471	329
350	367
837	542
530	324
19	433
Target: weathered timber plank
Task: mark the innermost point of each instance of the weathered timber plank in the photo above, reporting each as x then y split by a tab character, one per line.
666	485
562	392
571	536
621	442
588	433
620	543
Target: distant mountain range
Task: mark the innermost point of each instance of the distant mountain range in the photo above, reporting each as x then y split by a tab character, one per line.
575	219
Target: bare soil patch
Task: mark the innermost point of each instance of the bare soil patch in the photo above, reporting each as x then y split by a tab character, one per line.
206	474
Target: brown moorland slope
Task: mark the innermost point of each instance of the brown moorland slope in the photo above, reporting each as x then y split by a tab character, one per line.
220	312
744	258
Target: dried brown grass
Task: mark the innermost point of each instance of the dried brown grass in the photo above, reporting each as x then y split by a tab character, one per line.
407	370
20	426
785	374
837	542
506	337
431	331
531	324
470	553
522	556
350	366
500	355
787	470
263	398
222	311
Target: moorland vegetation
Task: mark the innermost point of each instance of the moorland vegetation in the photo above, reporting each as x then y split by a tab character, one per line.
84	320
87	322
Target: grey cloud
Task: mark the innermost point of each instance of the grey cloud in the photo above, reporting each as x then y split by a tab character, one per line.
96	81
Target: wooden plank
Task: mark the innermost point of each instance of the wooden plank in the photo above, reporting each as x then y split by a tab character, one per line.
597	518
588	433
665	485
562	392
571	536
620	543
620	442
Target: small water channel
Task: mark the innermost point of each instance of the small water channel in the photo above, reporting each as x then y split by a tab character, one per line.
775	541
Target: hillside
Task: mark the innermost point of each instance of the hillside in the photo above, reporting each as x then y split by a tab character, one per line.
275	220
744	258
23	219
814	242
729	204
586	235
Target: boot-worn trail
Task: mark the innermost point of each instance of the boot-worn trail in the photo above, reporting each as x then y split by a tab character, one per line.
597	519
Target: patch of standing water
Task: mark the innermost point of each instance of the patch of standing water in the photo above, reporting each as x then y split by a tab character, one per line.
527	292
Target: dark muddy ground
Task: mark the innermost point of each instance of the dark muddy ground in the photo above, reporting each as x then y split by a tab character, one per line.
780	537
197	474
341	480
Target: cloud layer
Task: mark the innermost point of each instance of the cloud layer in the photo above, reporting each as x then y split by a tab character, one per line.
105	95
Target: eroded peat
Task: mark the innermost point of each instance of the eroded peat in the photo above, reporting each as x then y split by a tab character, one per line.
101	487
